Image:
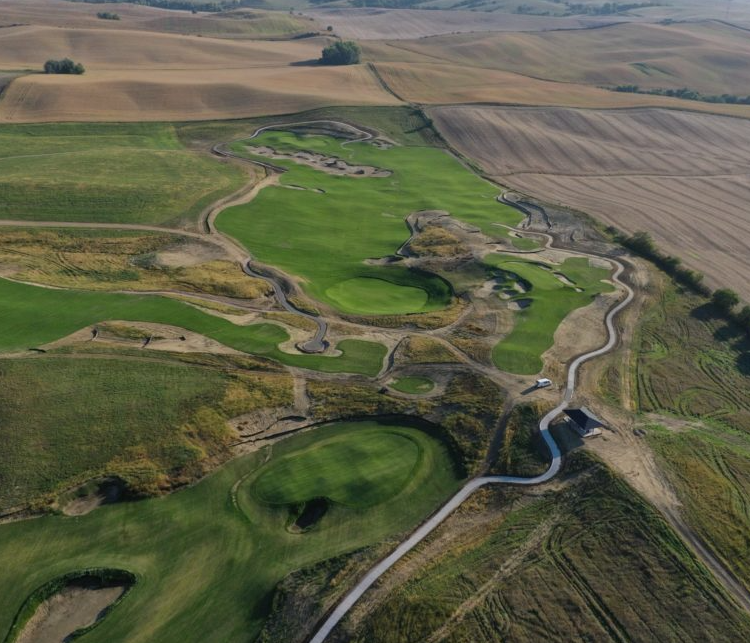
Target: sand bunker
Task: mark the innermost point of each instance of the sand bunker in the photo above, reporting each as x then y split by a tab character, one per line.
330	164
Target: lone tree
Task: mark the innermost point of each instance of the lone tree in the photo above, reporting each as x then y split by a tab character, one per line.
725	300
64	66
341	52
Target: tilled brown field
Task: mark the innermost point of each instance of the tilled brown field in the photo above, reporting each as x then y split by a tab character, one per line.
682	176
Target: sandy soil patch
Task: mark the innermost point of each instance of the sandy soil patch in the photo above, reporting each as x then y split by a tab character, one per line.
683	177
189	254
65	612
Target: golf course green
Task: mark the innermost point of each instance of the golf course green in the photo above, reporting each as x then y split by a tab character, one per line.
549	299
327	229
413	385
32	315
207	558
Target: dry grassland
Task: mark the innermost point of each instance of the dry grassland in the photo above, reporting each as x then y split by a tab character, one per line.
440	83
709	57
381	24
145	95
684	177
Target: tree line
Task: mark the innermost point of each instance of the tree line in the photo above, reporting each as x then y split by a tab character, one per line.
64	66
725	300
686	94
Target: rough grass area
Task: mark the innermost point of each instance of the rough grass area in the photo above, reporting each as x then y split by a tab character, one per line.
215	531
413	385
523	451
345	220
65	420
548	300
124	173
30	316
590	562
691	364
361	469
122	260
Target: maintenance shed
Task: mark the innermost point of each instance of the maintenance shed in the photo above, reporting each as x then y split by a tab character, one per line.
584	422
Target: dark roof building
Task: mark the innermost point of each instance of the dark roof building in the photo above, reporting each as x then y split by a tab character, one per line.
584	422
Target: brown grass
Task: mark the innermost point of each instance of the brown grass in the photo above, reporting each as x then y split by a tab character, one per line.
156	95
681	176
710	57
442	83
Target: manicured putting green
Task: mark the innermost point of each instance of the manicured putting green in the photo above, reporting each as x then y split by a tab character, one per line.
327	232
549	300
359	469
376	297
413	385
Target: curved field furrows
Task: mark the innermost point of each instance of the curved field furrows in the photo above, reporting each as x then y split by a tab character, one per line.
682	176
436	519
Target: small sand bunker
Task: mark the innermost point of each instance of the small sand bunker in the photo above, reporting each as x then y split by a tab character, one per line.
330	164
80	603
519	304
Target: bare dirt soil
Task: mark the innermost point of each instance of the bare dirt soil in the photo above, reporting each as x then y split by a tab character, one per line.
329	164
67	611
681	176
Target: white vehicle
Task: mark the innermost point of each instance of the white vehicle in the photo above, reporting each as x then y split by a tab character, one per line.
543	383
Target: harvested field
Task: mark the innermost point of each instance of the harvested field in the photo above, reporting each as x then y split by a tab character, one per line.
27	47
681	176
710	57
378	24
441	83
230	24
148	95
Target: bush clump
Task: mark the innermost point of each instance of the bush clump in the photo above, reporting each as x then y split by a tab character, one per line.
64	66
342	52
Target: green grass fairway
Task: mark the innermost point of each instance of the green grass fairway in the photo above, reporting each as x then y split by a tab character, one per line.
551	301
412	385
326	237
208	557
30	316
123	173
360	469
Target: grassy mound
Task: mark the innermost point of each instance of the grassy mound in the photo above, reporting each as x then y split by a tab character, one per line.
343	220
123	173
360	469
412	385
553	293
215	531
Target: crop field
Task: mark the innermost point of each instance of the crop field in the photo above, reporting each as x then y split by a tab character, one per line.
591	561
32	316
66	420
679	176
218	532
364	215
652	56
548	299
138	173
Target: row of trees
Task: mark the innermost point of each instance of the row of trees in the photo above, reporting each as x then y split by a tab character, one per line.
687	94
64	66
724	299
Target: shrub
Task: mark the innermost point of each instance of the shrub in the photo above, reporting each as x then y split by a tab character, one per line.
725	300
64	66
343	52
106	15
